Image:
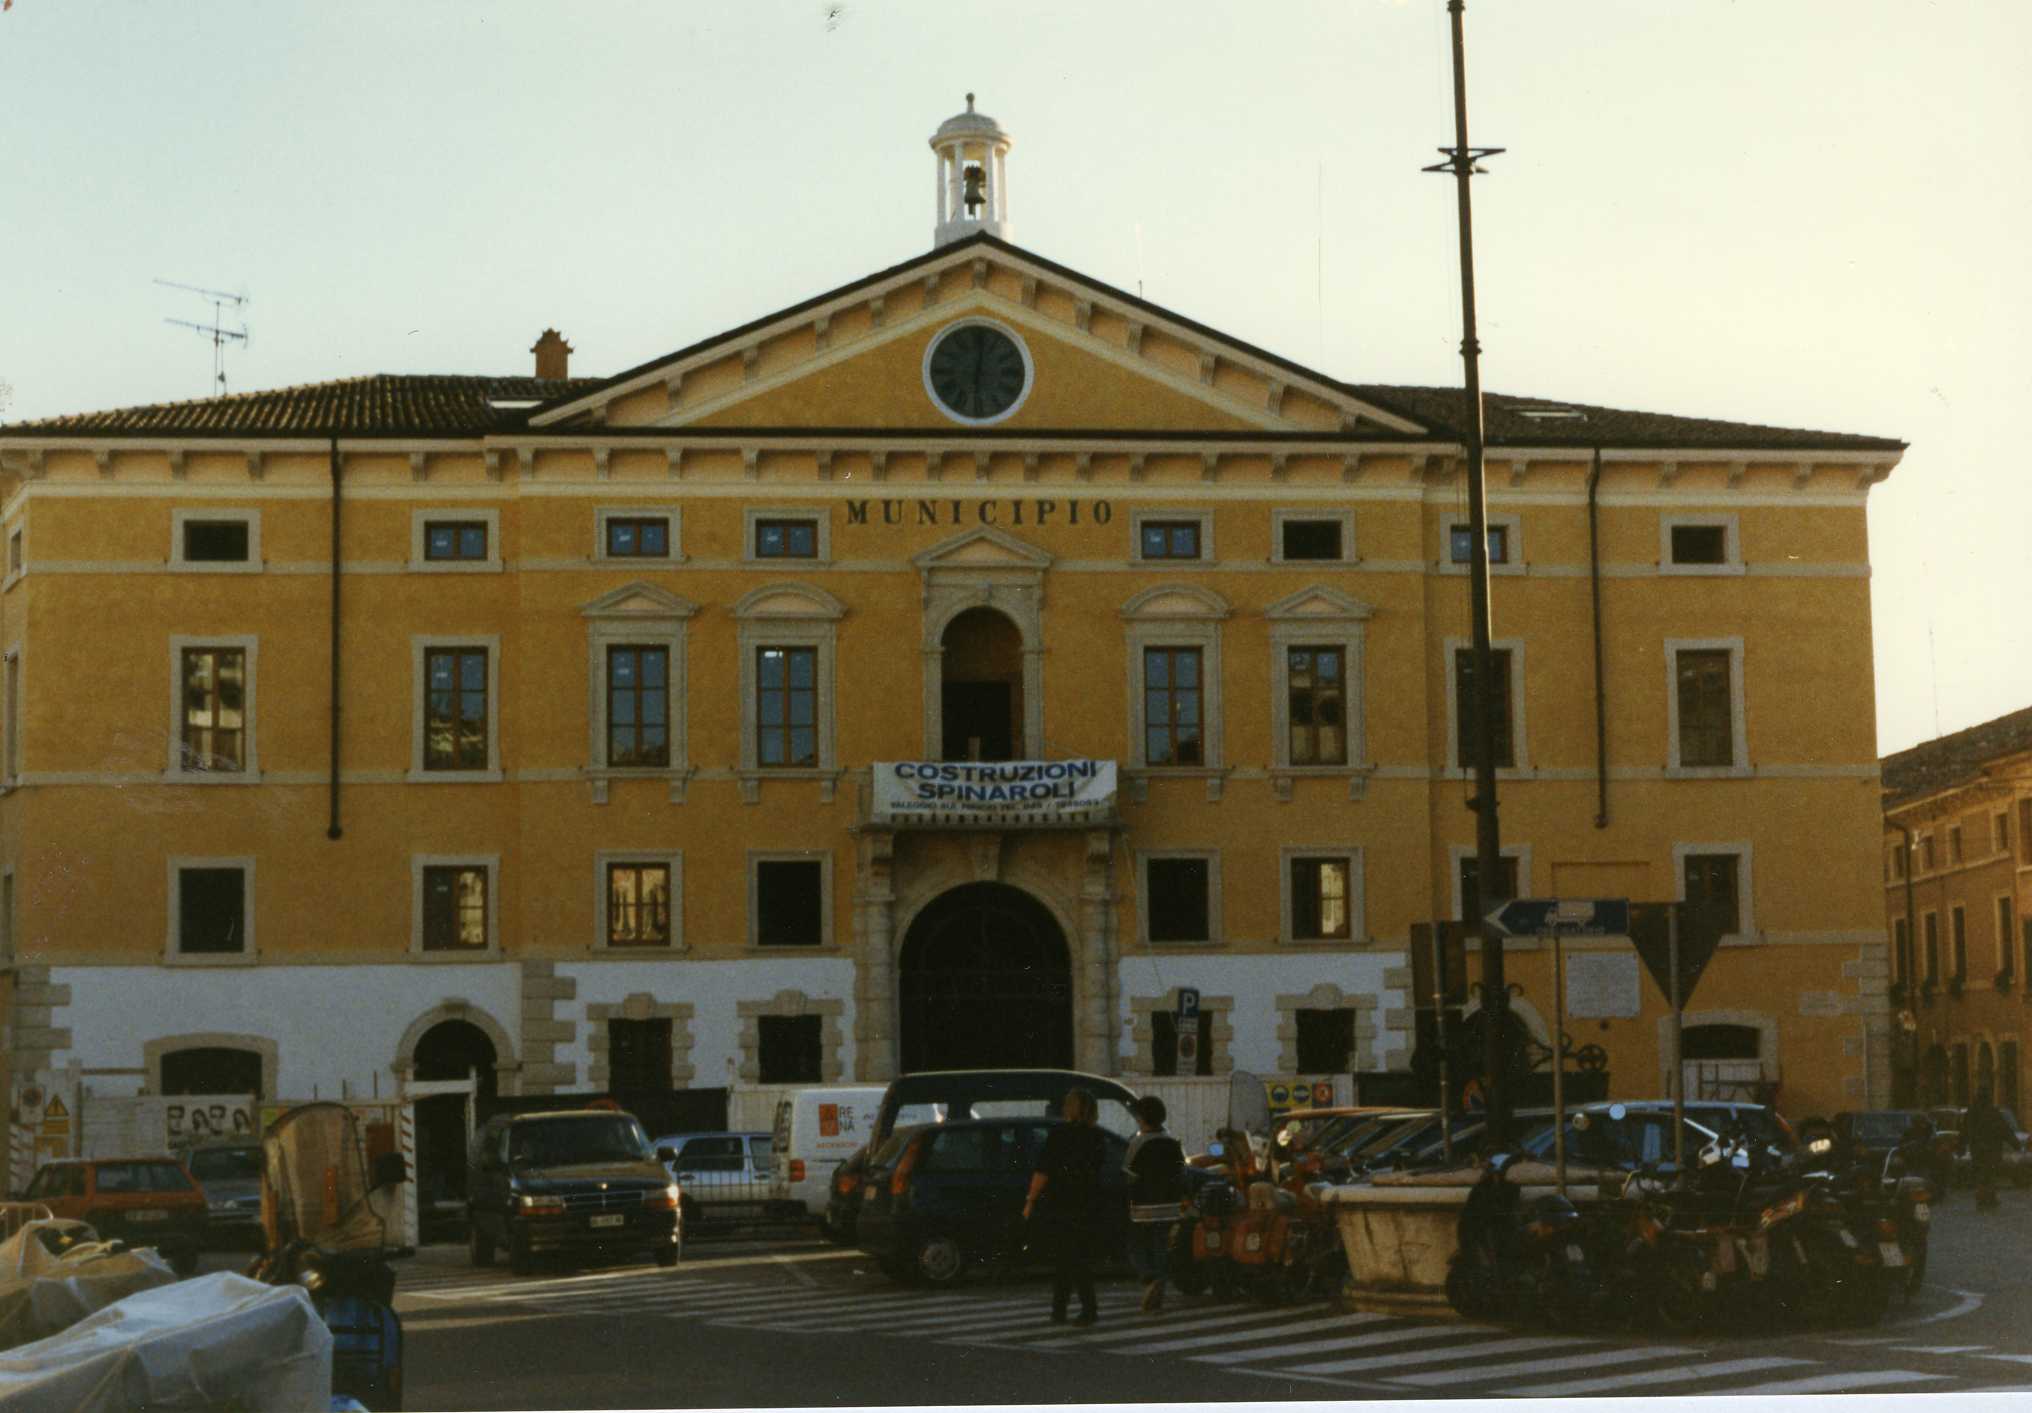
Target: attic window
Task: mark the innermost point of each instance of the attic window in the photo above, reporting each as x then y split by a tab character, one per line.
1551	414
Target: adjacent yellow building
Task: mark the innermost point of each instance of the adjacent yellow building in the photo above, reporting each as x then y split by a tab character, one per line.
562	729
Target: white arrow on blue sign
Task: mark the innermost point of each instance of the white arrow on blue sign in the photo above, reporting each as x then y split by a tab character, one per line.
1571	917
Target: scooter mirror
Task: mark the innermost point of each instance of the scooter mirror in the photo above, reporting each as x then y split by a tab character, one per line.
1618	1112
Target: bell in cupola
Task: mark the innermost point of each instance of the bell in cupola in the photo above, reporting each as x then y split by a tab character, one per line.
973	187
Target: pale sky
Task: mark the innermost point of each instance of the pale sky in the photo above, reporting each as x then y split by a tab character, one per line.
1809	213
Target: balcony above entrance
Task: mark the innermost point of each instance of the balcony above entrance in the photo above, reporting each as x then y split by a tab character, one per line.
1005	794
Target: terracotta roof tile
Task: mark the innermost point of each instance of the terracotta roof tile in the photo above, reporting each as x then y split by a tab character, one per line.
1955	759
380	404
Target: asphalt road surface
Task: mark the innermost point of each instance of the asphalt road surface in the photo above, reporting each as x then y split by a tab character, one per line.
800	1323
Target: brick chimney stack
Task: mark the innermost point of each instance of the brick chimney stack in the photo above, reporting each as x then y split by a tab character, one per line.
553	355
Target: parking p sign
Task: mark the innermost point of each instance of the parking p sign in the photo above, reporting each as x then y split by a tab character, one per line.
1188	1003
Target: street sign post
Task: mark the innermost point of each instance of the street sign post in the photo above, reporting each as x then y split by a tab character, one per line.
1556	919
1439	979
1676	940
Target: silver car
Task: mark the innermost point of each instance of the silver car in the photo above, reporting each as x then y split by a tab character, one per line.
724	1176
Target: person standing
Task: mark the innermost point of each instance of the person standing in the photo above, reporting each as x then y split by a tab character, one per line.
1982	1138
1156	1168
1062	1201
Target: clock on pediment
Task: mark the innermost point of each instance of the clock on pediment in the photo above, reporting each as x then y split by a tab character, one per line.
977	371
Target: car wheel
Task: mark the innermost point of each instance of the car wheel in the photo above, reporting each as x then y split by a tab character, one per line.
521	1260
479	1246
939	1260
667	1256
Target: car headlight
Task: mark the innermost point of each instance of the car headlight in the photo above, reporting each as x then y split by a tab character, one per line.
540	1206
311	1278
664	1201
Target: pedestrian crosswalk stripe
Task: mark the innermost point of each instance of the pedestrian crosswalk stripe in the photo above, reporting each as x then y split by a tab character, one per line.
1414	1334
1173	1346
2011	1358
1660	1377
1438	1356
1116	1336
1527	1368
1837	1383
878	1308
921	1317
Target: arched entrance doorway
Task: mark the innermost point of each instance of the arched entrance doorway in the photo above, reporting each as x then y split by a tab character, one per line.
455	1058
984	981
981	692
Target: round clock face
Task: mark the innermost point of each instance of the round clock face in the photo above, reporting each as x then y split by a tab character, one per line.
977	373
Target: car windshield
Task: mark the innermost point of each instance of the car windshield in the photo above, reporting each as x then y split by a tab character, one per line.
226	1165
1115	1116
142	1177
1886	1126
552	1143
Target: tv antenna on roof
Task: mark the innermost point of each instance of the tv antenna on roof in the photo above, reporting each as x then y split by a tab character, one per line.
216	330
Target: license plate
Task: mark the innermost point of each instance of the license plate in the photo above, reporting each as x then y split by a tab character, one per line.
1892	1254
1922	1212
1848	1237
867	1194
1758	1255
609	1219
1574	1253
1725	1257
148	1216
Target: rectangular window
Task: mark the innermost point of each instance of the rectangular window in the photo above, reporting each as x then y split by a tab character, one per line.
211	911
1326	1041
2025	831
1958	943
1898	861
215	541
2007	933
1927	861
1706	717
15	558
214	714
1179	895
1901	952
638	537
1320	896
638	905
1464	706
1169	539
1461	543
1316	687
2000	832
789	903
1700	544
786	707
1165	1061
638	1056
1173	695
13	762
638	706
1954	854
1470	885
786	539
1714	880
454	540
455	709
789	1049
1312	539
455	908
7	918
1930	926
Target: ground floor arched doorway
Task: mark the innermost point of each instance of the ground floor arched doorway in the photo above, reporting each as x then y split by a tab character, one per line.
453	1053
984	981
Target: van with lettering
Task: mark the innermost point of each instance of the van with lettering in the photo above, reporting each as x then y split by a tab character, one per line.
817	1129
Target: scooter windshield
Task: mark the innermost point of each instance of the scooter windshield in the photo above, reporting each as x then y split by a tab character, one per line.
315	1185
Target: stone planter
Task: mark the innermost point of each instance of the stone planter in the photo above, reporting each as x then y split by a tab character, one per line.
1399	1232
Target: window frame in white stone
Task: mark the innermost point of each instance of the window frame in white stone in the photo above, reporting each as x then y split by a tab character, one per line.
603	860
671	515
1319	616
249	773
822	538
1216	931
1746	892
824	859
1358	919
182	516
1739	729
1141	515
418	863
810	619
420	647
638	615
1520	740
1457	852
419	530
1512	526
1193	620
173	953
1732	546
1282	515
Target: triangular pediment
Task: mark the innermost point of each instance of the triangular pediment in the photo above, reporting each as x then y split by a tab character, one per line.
982	549
1318	603
1101	359
640	600
1176	601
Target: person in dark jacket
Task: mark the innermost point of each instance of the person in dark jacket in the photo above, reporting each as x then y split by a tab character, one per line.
1983	1135
1063	1201
1156	1168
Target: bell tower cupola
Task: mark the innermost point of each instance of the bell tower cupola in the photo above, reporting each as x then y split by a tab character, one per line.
973	187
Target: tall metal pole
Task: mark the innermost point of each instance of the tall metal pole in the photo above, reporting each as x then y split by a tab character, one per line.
1558	1065
1488	841
1678	1039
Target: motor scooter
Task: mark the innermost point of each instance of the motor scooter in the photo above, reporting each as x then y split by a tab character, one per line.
1519	1260
325	1215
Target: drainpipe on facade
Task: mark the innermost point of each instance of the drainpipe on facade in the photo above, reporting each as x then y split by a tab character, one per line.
1909	960
333	830
1594	482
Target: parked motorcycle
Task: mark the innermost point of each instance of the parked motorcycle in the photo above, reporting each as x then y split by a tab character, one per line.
1520	1260
325	1216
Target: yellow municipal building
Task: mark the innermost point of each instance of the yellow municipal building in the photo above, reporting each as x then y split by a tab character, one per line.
946	670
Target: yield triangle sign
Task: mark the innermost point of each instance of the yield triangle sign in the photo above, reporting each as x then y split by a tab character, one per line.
1701	927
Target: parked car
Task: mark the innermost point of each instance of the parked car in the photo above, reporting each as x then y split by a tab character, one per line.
150	1201
843	1200
2017	1165
229	1171
938	1095
725	1177
939	1198
569	1182
1869	1136
816	1130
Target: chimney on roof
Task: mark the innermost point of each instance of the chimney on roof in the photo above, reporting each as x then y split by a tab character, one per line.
553	355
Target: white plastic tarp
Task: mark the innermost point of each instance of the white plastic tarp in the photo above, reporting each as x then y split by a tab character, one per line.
217	1340
42	1292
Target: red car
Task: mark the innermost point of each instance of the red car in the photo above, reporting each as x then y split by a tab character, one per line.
150	1201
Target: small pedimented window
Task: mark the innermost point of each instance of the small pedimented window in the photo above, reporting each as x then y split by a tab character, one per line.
636	642
787	633
1174	681
1317	642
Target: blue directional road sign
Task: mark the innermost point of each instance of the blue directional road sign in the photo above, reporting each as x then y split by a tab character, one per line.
1570	917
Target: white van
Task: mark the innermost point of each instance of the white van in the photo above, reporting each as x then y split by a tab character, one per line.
816	1130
